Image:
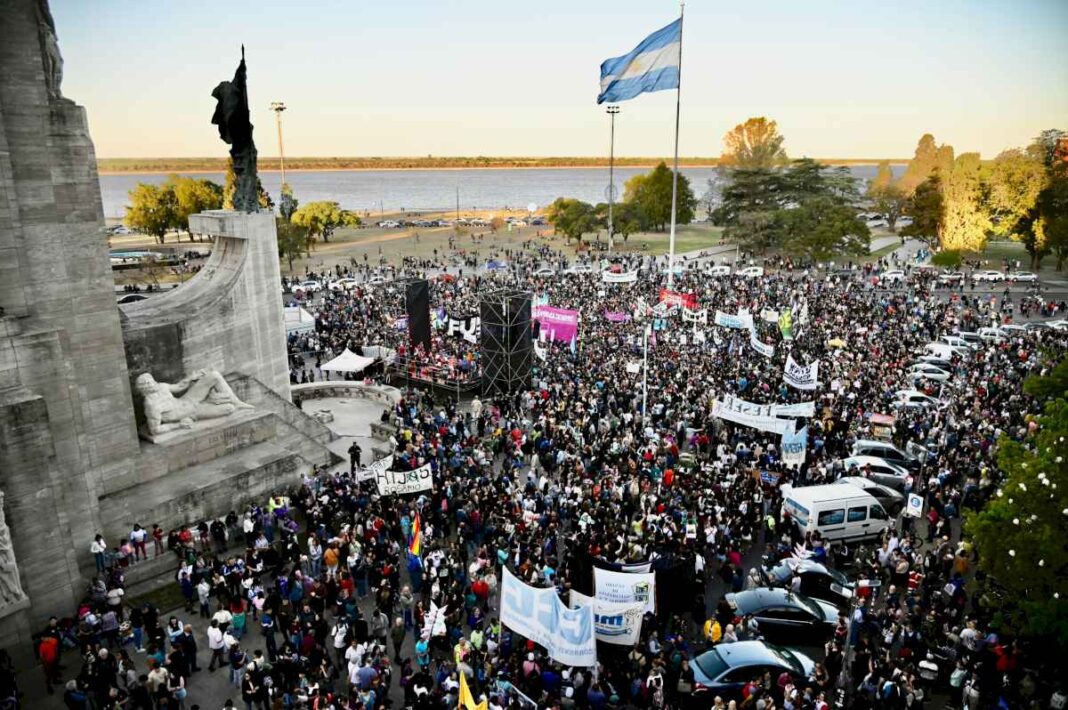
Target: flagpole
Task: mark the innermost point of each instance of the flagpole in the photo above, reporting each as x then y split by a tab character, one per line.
675	174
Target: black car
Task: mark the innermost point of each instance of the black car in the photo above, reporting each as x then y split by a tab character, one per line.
816	580
725	669
785	617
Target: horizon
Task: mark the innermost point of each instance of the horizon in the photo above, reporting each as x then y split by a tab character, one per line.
841	80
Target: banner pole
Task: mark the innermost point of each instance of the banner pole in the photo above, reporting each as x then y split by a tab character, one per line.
675	174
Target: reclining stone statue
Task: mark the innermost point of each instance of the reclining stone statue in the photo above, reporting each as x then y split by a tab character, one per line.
206	396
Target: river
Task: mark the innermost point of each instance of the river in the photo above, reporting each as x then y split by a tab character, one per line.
395	190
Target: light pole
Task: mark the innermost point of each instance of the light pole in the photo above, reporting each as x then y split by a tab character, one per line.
645	377
611	110
278	107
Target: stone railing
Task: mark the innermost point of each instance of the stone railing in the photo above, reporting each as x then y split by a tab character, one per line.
347	388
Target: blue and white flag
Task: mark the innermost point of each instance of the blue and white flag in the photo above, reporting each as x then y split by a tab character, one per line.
651	66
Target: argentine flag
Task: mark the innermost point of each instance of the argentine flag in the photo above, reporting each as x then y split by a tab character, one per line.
651	66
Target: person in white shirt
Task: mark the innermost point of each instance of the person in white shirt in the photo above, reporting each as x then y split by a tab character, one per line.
215	643
99	549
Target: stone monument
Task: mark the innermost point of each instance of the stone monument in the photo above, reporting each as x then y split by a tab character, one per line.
71	462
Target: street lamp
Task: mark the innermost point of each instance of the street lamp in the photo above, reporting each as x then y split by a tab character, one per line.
611	110
278	107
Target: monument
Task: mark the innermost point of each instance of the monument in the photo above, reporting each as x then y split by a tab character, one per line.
72	463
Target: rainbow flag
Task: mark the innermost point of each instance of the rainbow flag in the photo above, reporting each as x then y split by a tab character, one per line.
415	544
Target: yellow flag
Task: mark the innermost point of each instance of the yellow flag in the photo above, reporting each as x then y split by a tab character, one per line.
467	701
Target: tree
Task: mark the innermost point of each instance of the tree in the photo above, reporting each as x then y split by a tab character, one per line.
652	194
192	196
321	218
887	197
572	217
928	158
965	222
496	223
293	241
627	218
748	190
1019	534
230	187
1052	208
756	143
925	208
1016	180
152	210
821	228
1045	145
757	230
287	203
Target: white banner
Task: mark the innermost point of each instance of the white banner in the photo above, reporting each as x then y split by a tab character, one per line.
730	412
729	320
802	377
619	624
467	328
769	315
372	471
801	409
794	447
434	622
760	346
915	506
627	277
539	615
401	482
625	587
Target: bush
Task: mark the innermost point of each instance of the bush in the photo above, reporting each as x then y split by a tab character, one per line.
947	258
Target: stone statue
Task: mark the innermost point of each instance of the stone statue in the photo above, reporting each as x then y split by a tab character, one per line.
10	584
53	60
206	396
232	118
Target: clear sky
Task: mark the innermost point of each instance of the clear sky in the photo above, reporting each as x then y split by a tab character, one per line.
843	78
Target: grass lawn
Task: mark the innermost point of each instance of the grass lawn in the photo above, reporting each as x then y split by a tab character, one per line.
880	253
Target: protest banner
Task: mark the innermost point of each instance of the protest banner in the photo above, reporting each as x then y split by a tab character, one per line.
619	624
786	324
700	316
769	315
372	471
763	422
559	323
403	482
539	615
740	321
625	587
760	346
793	447
616	316
627	277
674	298
801	409
467	328
802	377
914	508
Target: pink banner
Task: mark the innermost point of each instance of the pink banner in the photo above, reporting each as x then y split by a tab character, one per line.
616	316
557	323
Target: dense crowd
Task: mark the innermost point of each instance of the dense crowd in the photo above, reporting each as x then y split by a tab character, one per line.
312	598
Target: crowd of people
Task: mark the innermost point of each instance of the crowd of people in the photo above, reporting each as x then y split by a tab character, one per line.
315	599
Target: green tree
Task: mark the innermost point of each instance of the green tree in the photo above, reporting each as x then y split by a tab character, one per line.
748	190
1045	145
887	197
965	221
652	194
287	203
821	228
1052	208
321	218
756	143
230	187
925	208
192	196
757	230
293	241
627	218
1016	181
152	210
928	158
572	217
1019	534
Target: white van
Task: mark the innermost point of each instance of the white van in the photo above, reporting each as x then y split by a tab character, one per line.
838	513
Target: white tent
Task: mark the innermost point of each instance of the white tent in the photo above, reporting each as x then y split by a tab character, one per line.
348	361
299	320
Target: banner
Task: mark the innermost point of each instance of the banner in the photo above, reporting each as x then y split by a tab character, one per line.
619	624
915	506
467	328
372	471
729	411
729	320
616	316
434	622
674	298
802	315
769	315
625	588
802	377
559	323
802	409
539	615
786	324
700	316
402	482
793	447
761	347
641	309
627	277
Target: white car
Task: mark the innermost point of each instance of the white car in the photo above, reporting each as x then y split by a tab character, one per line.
579	269
935	360
914	399
544	271
950	277
305	287
376	280
928	371
892	277
993	276
1022	276
750	272
881	471
343	284
719	270
955	341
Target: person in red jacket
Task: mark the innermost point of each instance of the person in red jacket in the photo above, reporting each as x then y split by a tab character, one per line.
48	652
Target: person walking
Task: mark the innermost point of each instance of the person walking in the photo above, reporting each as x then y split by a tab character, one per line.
216	646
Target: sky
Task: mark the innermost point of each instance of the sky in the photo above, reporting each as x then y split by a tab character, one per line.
843	78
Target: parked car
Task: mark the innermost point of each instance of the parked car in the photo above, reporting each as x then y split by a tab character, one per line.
959	341
877	469
719	270
894	276
893	502
835	512
993	276
950	277
1022	277
305	287
928	371
914	399
725	669
886	451
784	616
343	284
750	272
544	271
579	269
810	578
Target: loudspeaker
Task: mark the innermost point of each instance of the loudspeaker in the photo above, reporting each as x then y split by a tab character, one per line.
507	345
417	305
